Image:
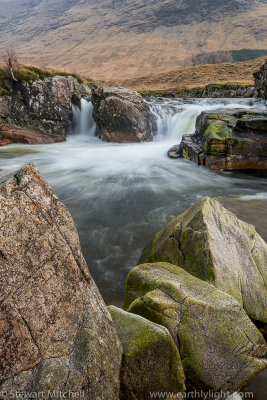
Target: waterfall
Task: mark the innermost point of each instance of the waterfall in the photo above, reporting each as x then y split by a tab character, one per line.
177	117
82	121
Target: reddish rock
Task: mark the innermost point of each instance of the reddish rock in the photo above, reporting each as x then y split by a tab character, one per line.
13	134
55	330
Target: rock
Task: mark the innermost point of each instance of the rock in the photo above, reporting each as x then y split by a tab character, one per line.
212	244
220	348
174	151
121	115
261	81
45	104
55	331
12	134
150	361
228	140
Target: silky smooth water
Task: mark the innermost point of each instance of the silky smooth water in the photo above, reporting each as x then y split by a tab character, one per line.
120	195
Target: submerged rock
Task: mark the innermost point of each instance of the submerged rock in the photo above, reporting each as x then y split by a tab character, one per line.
261	81
150	361
228	140
220	348
214	245
121	115
55	332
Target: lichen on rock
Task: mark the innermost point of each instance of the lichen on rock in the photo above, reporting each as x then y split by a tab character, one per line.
211	243
55	332
150	361
220	348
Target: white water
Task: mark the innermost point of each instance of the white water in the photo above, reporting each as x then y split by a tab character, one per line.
83	123
120	195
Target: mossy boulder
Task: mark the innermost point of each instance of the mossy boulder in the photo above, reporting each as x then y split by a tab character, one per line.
240	131
228	139
150	361
212	244
220	348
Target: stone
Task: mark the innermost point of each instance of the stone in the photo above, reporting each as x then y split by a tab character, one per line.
55	330
212	244
228	140
13	134
150	361
220	348
261	81
121	115
45	105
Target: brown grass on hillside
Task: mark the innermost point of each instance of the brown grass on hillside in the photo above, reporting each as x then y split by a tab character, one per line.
193	77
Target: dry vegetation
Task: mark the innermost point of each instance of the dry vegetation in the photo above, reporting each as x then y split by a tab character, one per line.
193	77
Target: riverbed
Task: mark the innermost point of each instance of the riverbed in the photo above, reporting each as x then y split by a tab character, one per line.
120	195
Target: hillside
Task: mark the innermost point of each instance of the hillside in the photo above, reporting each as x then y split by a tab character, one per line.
117	39
194	77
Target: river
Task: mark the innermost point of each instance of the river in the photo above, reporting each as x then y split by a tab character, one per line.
120	195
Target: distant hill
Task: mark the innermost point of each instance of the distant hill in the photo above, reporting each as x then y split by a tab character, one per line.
195	77
113	39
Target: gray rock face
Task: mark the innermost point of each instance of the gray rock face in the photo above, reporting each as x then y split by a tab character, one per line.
214	245
261	81
121	115
228	140
220	348
55	332
150	361
45	105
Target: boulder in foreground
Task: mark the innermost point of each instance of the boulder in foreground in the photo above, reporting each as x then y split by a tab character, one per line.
150	361
121	115
212	244
220	348
55	331
227	140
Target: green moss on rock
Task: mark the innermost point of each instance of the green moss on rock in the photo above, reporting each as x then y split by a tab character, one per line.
219	346
150	361
212	244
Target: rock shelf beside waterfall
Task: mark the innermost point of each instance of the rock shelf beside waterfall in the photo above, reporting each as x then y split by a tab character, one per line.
39	111
227	139
121	115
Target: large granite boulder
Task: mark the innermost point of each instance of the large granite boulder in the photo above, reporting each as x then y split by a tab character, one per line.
121	115
214	245
227	140
261	81
45	105
150	361
56	333
220	348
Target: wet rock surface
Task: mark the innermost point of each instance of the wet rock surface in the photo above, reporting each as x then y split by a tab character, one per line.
227	140
150	361
261	81
55	332
12	134
121	115
214	245
40	111
220	348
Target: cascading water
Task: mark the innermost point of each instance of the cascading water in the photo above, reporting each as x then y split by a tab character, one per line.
177	117
82	121
120	195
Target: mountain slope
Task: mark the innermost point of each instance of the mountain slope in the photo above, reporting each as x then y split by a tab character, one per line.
111	39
